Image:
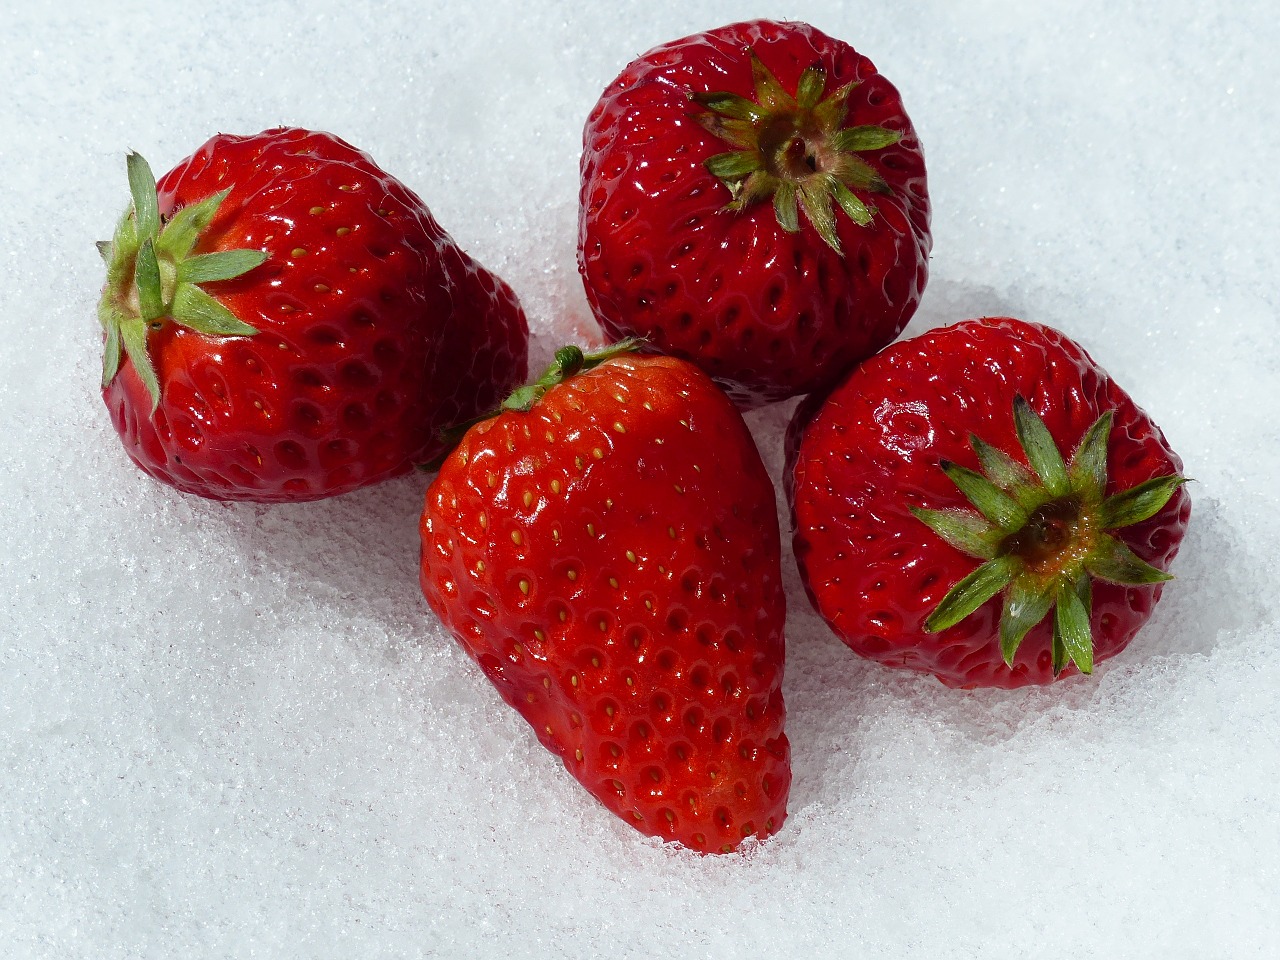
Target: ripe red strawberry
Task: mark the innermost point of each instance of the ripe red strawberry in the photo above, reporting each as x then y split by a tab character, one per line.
984	504
285	321
606	548
754	200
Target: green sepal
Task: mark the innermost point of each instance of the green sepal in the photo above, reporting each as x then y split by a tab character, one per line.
223	265
1004	471
133	331
971	593
737	163
194	308
815	198
147	279
810	86
142	187
732	105
1071	623
856	210
865	138
1087	471
1024	607
830	113
1037	443
769	92
1139	503
967	532
1113	561
785	206
992	502
111	353
184	227
104	250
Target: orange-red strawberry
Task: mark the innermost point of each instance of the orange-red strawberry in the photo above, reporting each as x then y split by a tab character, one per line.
754	200
607	550
285	321
985	504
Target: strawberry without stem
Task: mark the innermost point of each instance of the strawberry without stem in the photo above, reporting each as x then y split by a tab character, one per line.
608	553
285	321
754	200
985	504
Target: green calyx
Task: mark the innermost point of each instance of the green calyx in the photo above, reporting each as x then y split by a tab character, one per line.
1043	534
795	150
153	278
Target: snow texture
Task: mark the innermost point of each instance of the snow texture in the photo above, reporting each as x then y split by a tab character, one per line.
229	730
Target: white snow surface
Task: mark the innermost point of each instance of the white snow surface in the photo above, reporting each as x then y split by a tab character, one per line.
236	731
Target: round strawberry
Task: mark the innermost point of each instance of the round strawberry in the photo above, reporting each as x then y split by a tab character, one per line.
284	321
754	200
984	504
607	550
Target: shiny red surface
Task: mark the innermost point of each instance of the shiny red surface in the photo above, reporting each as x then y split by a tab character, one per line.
611	560
375	330
861	458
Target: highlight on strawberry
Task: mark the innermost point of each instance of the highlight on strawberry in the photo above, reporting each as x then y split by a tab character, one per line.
285	321
606	548
985	504
754	200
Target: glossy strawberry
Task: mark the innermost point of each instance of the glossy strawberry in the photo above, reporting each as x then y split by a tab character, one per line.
607	550
285	321
985	504
754	200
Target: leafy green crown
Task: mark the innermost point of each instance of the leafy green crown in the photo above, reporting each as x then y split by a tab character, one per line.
795	150
153	278
1043	535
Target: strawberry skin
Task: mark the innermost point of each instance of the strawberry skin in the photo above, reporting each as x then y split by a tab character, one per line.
610	558
879	454
728	242
373	329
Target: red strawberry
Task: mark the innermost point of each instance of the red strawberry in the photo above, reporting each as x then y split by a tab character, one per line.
285	321
606	548
754	200
943	523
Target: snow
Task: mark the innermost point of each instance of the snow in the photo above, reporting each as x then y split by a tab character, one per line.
230	730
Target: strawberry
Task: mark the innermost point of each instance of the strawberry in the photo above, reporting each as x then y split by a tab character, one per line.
983	503
285	321
606	549
754	200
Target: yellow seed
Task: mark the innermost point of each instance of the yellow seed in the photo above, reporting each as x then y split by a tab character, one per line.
321	288
595	661
697	468
315	210
528	498
555	534
479	566
550	438
564	615
546	682
685	424
613	749
631	556
492	480
648	604
619	427
531	698
511	446
484	520
344	186
679	489
517	537
613	582
548	729
539	635
571	574
342	231
591	530
298	252
555	486
524	587
258	404
603	624
577	462
577	754
659	441
647	405
597	453
631	681
574	679
608	711
671	532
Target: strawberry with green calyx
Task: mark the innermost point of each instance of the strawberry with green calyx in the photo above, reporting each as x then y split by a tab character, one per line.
152	275
605	547
754	200
1044	535
285	321
985	504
